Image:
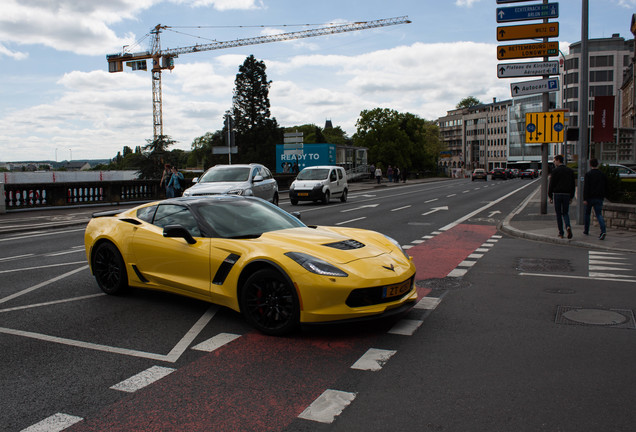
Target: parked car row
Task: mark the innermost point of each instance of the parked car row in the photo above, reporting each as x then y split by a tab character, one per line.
503	173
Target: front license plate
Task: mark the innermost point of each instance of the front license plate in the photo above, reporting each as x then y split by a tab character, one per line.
396	290
303	193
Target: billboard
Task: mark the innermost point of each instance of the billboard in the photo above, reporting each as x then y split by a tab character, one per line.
303	155
603	119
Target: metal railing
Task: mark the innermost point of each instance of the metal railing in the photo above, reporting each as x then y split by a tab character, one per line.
22	196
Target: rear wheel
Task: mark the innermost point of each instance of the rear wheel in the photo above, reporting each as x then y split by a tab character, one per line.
269	303
343	197
109	269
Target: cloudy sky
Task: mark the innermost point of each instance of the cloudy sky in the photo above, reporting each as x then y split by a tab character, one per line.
58	101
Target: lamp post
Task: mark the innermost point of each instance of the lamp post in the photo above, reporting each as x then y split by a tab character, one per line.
583	111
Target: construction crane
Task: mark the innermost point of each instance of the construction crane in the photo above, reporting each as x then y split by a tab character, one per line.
164	59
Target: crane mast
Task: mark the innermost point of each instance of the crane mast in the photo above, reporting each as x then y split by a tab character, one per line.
164	59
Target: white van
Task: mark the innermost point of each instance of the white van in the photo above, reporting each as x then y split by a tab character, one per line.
319	183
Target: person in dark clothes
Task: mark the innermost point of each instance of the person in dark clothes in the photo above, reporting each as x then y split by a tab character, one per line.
561	192
594	191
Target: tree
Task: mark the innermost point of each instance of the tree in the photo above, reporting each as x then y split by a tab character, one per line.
155	152
256	133
401	139
468	102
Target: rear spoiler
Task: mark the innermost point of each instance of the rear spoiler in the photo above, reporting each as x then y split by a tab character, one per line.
106	213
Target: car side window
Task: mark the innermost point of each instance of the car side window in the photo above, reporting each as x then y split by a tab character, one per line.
171	214
332	176
254	172
147	213
266	173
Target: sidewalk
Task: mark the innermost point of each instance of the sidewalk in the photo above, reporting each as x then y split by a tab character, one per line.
526	221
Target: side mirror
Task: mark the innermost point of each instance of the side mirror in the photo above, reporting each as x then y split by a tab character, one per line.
257	178
195	180
178	231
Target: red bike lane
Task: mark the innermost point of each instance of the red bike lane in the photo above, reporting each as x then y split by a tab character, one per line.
259	382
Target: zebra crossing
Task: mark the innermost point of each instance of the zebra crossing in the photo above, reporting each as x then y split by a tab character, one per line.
610	265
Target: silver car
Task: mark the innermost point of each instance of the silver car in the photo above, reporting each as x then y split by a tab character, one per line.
241	179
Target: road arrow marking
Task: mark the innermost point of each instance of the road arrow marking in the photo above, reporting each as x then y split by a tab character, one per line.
359	208
435	209
492	213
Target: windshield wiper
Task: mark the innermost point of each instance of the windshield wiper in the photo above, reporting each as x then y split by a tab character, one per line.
246	236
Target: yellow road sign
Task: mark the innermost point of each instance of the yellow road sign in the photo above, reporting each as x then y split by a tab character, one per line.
530	31
543	49
544	127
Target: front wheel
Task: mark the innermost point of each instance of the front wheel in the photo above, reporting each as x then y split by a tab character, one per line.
326	198
109	269
275	200
269	302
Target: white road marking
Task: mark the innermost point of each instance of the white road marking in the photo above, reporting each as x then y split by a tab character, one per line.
400	208
40	285
351	220
172	356
431	200
16	257
428	303
52	302
407	247
373	359
64	253
481	249
475	256
457	273
486	245
143	379
479	210
466	263
216	342
405	327
44	266
417	241
598	276
328	406
55	423
40	234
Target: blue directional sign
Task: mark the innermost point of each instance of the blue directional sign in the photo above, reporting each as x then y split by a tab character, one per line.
528	12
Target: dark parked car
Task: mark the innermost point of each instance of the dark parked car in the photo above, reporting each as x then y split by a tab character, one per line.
529	174
499	173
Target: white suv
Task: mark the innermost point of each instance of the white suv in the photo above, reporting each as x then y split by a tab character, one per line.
319	183
241	179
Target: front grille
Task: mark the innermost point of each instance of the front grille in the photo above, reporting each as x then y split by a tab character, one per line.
346	245
376	295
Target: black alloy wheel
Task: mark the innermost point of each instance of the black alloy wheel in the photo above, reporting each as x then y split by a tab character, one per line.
269	303
109	269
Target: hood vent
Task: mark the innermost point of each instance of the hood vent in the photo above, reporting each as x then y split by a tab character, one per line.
346	245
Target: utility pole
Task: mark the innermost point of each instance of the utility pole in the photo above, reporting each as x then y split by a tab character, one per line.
544	146
583	111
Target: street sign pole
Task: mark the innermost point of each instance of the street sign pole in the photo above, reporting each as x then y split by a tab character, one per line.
544	147
583	111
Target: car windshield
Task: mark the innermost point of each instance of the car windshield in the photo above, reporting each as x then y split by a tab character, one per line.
313	174
245	218
226	174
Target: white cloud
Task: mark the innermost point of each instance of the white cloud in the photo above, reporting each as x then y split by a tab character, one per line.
627	3
468	3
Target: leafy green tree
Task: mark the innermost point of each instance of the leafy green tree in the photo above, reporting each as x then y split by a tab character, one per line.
468	102
256	133
401	139
155	154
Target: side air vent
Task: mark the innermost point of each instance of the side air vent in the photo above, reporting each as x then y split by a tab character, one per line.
346	245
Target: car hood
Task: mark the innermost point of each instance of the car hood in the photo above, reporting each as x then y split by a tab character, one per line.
216	187
332	244
306	184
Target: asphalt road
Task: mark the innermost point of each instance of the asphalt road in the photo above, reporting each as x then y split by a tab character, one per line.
487	348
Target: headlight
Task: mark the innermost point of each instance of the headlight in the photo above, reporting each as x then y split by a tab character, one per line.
316	265
399	246
246	192
186	192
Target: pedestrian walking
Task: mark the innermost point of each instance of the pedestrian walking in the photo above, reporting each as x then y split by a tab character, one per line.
561	192
378	174
175	183
594	191
389	174
165	178
396	175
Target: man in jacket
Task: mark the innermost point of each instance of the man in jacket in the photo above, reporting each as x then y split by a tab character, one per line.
594	191
561	192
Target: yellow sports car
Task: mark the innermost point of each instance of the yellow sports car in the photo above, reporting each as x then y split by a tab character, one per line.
249	255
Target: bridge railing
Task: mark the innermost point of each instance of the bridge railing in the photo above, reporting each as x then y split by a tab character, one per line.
21	196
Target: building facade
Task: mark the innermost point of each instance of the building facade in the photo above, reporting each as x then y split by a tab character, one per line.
610	62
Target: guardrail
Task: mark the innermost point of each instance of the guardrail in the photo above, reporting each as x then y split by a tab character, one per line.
45	195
